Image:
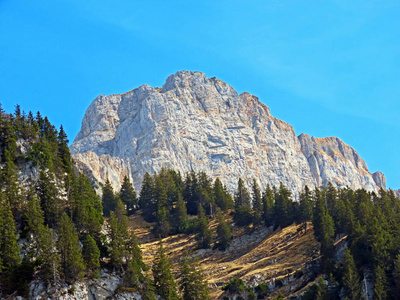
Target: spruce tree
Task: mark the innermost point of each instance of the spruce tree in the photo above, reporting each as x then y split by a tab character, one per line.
192	282
242	216
134	273
128	196
380	283
108	199
162	272
68	244
49	198
257	203
306	207
91	257
9	247
147	200
118	223
351	280
396	277
181	220
223	231
268	206
204	235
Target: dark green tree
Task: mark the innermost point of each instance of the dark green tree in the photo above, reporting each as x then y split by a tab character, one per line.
128	196
192	282
243	214
68	244
109	199
50	200
268	200
380	283
306	207
147	200
9	247
91	257
257	203
224	234
204	235
351	279
164	281
118	223
180	220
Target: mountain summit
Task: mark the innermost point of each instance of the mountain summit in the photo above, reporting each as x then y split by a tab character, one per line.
200	123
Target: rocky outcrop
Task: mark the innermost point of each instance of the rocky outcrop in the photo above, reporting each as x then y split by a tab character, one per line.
200	123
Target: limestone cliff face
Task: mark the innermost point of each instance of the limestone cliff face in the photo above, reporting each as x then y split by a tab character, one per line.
200	123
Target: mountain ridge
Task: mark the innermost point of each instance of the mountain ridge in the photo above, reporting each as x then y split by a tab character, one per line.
200	123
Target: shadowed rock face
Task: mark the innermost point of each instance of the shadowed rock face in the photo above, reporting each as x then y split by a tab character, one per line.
200	123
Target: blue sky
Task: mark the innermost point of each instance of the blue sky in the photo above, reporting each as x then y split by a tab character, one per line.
328	68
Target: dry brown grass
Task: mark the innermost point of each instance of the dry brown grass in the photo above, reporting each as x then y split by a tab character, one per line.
254	253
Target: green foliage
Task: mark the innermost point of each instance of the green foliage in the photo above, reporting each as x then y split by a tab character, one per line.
268	200
9	248
164	281
72	264
91	257
235	286
262	290
118	223
147	201
224	234
257	203
192	282
180	220
128	196
351	280
109	200
49	198
204	235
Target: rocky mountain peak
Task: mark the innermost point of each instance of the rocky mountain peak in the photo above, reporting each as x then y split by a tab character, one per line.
200	123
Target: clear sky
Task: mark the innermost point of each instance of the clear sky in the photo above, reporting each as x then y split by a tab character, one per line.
328	68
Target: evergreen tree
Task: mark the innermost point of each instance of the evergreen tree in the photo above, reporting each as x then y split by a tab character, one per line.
327	240
162	272
128	196
49	198
134	274
351	280
148	289
68	244
163	226
91	257
118	235
192	282
219	195
380	284
243	215
147	201
396	277
268	206
85	206
48	258
204	235
108	199
63	151
181	219
257	203
283	208
306	207
191	193
9	247
223	231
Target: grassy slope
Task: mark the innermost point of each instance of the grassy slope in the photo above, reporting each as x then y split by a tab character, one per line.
255	255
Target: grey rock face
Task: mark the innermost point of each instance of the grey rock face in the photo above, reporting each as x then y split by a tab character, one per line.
200	123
